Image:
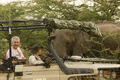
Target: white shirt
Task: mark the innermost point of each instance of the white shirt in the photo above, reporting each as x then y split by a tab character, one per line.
33	59
15	53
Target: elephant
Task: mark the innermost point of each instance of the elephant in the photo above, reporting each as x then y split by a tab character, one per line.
71	42
111	31
77	42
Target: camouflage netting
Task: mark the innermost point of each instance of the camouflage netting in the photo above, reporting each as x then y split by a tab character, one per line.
87	27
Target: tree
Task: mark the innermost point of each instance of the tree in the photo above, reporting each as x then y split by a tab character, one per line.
107	8
53	9
87	14
13	10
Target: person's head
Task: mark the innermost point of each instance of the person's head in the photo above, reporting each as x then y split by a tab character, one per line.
15	42
36	49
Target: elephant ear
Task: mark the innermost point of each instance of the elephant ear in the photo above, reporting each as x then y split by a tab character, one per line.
110	42
87	27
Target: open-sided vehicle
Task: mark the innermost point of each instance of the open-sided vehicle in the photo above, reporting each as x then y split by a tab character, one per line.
73	68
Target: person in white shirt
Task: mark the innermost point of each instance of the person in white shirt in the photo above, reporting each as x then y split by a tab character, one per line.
35	57
15	49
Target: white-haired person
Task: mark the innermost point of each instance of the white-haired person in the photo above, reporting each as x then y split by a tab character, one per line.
15	49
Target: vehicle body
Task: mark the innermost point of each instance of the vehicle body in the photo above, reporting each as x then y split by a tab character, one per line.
40	72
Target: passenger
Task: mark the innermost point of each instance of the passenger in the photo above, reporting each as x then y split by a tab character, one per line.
35	57
15	49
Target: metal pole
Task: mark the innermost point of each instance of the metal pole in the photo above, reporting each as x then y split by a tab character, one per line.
10	50
10	23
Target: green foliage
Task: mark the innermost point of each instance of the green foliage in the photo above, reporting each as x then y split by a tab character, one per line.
113	48
107	8
87	13
13	10
106	47
3	47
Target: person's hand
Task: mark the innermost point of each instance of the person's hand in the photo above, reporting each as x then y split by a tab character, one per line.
1	62
14	62
47	65
23	57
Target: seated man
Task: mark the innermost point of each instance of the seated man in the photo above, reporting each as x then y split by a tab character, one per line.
35	57
15	49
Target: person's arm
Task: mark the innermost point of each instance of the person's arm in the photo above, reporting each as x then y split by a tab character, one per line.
21	53
32	60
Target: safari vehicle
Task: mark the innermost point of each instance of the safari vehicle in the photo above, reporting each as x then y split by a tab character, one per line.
73	68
